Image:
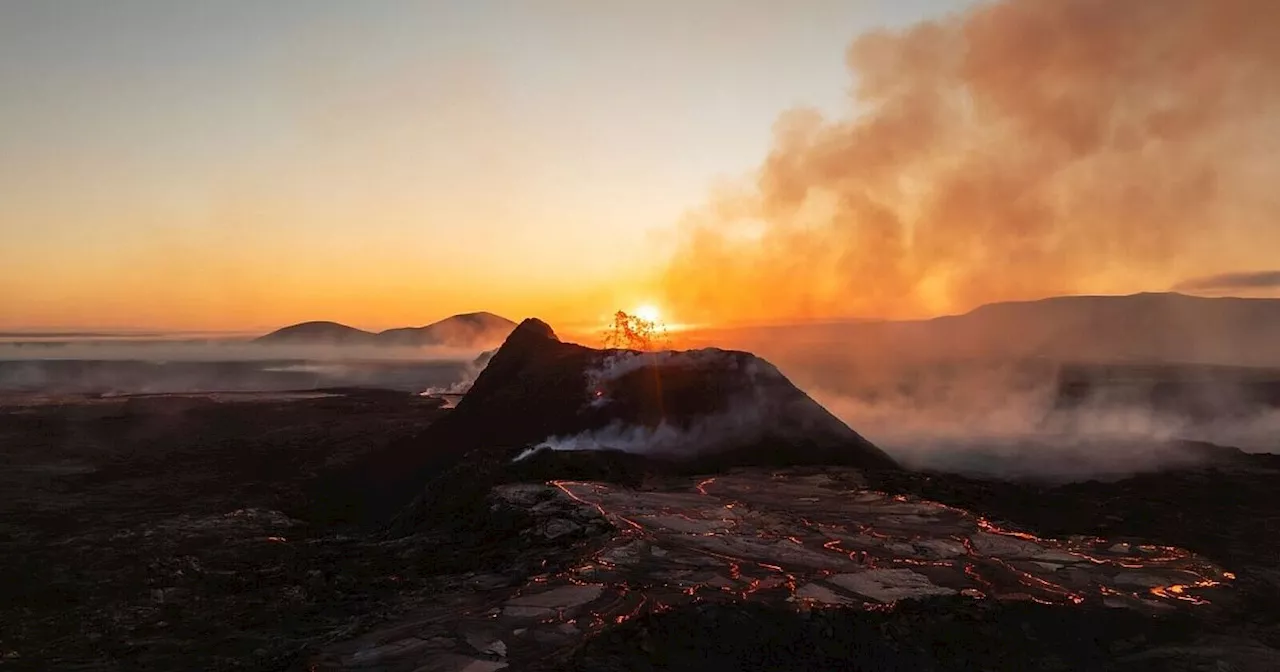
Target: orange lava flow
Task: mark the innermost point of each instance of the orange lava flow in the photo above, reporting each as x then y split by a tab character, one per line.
987	526
566	491
1181	591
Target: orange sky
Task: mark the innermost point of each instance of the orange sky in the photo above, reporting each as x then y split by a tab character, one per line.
246	165
234	166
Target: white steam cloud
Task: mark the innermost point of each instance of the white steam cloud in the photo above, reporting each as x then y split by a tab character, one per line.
986	425
998	420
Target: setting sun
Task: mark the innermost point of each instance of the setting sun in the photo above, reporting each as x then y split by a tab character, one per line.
648	312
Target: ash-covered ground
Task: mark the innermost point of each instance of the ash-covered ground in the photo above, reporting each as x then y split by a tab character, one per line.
592	510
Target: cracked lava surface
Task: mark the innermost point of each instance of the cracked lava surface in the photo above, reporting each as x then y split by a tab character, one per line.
805	540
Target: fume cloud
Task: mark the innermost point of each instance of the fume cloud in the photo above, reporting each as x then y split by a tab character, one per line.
1019	149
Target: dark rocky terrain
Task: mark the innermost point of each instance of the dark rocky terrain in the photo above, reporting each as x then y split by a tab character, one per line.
357	529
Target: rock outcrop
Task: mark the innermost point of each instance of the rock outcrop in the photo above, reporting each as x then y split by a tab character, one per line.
611	413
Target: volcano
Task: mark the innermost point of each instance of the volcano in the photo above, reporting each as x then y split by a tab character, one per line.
570	409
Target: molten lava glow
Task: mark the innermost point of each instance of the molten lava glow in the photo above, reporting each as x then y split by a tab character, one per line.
769	546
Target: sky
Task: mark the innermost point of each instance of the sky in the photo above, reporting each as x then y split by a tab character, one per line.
236	165
240	165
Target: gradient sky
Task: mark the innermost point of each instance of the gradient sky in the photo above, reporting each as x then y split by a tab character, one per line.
239	164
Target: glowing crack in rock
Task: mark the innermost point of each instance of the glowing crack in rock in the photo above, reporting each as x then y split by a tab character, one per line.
802	541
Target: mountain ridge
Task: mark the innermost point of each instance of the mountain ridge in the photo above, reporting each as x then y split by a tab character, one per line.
1151	327
475	329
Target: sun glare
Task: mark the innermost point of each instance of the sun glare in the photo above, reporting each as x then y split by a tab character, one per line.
648	312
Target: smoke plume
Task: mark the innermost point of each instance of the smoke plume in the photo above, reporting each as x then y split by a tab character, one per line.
1018	149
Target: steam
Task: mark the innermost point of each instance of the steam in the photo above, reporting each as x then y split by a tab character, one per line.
159	367
470	372
743	423
1015	150
748	417
988	418
1011	422
622	362
158	350
1019	149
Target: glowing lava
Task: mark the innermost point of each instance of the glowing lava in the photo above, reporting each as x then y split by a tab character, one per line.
801	541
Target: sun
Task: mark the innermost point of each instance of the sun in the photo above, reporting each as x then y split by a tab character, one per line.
648	312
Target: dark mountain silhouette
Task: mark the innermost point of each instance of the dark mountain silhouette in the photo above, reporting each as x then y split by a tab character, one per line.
318	333
1139	328
699	411
468	330
1165	327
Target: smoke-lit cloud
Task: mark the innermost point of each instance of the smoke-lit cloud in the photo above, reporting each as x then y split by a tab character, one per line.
1229	282
1019	149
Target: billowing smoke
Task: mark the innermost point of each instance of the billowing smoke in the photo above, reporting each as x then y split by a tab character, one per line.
1018	149
1015	150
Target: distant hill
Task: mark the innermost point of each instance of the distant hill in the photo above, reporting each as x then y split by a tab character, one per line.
468	330
1165	327
1152	327
484	330
318	333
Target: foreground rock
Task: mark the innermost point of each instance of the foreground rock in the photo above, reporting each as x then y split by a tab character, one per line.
177	534
781	540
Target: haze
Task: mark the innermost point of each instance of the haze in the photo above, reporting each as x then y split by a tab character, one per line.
241	165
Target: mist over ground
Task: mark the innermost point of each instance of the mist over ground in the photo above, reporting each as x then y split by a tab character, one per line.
1069	388
1006	420
1042	419
158	366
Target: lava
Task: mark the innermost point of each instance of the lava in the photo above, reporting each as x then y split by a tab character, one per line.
561	485
987	526
1180	591
802	542
903	548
